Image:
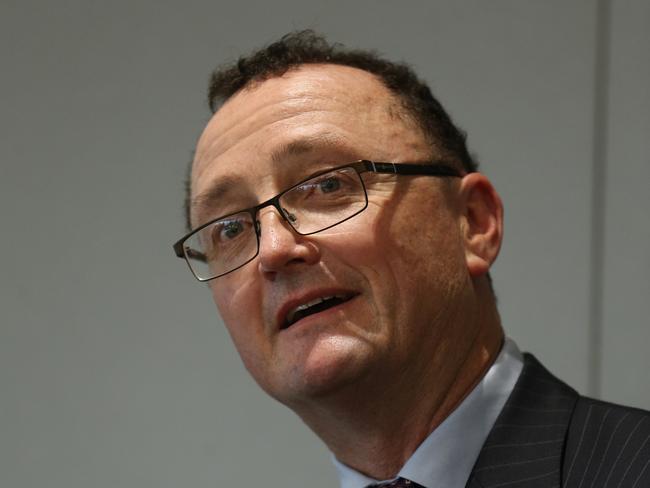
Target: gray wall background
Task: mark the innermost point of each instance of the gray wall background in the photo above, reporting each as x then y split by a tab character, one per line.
115	370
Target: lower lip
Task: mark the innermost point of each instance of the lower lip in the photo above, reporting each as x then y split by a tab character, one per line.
323	315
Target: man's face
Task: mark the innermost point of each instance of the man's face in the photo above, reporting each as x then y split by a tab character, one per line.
400	264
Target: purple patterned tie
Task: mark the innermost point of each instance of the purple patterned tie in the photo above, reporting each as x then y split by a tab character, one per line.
398	483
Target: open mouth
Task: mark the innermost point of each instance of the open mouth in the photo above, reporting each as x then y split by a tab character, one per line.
314	306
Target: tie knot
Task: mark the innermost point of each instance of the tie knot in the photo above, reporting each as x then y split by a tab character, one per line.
399	483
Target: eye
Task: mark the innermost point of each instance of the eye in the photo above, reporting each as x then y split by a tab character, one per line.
226	230
231	229
329	184
325	189
323	184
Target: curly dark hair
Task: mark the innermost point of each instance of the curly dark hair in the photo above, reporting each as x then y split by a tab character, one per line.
306	47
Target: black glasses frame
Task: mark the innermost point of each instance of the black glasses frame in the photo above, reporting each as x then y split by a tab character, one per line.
432	168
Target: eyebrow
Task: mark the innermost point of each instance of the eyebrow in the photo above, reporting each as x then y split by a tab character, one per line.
301	147
215	191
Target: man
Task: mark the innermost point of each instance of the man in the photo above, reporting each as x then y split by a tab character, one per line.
347	238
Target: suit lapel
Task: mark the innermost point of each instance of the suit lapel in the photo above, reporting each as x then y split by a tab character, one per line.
526	443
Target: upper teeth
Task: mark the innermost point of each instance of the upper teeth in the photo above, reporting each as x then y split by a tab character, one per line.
292	313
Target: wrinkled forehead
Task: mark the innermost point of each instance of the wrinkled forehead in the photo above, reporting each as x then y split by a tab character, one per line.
308	92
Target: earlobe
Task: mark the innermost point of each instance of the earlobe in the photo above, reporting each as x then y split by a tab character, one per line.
482	223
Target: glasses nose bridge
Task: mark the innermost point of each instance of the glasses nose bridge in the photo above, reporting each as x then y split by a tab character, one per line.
271	202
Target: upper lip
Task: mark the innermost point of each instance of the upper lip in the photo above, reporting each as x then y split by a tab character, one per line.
290	305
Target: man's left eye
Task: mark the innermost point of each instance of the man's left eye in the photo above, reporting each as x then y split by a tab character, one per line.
329	185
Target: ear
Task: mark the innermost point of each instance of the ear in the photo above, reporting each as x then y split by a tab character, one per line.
482	222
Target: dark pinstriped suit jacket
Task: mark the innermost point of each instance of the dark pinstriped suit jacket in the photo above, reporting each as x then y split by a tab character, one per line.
549	436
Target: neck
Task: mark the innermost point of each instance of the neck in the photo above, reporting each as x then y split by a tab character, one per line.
377	437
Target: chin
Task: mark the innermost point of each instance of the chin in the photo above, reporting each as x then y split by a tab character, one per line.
328	368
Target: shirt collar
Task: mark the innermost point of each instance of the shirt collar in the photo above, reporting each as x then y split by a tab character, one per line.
447	455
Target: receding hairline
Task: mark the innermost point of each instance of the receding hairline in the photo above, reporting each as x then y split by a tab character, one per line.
387	100
396	105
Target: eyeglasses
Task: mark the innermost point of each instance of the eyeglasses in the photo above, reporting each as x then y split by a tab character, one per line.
320	202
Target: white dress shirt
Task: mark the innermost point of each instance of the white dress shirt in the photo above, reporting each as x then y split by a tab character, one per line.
446	457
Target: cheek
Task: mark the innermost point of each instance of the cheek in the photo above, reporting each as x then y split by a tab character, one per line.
236	292
417	256
367	248
223	299
240	308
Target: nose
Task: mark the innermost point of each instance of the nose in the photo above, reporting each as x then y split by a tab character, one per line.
281	248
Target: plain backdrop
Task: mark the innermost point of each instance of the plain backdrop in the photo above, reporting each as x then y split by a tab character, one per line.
115	370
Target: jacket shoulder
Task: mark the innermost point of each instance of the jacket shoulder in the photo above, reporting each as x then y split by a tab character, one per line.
607	445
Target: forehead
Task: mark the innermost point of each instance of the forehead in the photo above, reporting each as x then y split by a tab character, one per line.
326	109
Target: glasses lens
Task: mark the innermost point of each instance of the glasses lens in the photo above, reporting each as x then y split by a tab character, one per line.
222	246
324	201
